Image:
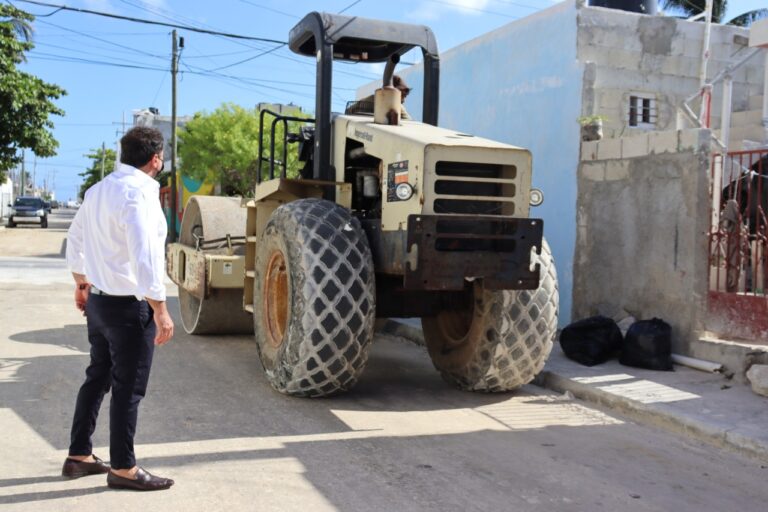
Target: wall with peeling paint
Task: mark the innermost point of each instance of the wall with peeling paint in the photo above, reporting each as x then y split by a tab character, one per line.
661	56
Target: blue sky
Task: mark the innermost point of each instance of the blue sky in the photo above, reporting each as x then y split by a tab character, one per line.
90	57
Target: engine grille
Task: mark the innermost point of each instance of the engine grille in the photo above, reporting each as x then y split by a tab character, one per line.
474	189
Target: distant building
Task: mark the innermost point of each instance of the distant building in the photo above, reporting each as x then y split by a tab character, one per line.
6	197
151	117
286	110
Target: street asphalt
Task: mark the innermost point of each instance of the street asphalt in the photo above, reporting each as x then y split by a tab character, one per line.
402	440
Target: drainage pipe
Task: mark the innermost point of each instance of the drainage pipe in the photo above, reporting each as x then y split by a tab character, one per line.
697	364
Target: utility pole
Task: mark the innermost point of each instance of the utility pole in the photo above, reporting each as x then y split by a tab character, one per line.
174	192
34	174
23	175
103	156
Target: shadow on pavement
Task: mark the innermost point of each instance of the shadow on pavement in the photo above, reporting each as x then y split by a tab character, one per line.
9	482
51	495
401	440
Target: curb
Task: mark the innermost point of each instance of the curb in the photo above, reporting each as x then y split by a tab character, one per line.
648	415
634	410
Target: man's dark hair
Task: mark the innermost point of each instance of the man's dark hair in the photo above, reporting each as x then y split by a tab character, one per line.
139	144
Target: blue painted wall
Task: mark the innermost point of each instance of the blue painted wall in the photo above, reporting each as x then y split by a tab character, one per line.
522	85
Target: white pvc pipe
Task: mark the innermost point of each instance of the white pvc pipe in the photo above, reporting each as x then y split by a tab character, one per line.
705	46
717	188
725	124
705	59
765	98
697	364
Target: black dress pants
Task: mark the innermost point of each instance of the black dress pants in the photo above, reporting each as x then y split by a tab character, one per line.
121	332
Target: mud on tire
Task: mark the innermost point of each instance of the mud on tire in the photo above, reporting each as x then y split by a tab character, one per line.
502	340
314	299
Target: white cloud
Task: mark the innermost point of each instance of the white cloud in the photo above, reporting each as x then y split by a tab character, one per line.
424	13
158	4
431	11
469	5
98	5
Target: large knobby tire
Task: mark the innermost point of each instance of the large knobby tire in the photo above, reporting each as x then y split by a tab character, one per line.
503	338
314	299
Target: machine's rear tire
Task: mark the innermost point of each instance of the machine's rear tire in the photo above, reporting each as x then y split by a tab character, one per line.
222	311
502	340
314	299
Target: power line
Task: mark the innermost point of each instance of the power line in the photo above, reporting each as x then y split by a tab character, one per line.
509	2
67	58
190	70
265	52
75	50
151	22
83	34
271	9
350	6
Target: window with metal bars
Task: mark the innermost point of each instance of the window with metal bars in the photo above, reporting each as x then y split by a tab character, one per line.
642	111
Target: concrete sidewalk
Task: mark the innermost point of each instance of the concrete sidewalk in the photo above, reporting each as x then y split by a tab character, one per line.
705	406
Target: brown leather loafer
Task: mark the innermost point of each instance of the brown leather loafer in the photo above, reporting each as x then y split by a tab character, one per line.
145	481
75	469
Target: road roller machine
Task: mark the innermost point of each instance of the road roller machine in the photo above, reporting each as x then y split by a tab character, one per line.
388	217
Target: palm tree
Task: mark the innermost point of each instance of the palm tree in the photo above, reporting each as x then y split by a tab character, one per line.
694	7
19	21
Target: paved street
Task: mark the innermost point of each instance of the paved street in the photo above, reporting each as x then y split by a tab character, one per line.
403	440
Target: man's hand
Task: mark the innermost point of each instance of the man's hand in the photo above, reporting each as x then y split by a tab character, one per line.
163	321
81	296
82	289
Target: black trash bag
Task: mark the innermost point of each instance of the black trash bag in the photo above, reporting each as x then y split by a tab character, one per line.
591	341
648	344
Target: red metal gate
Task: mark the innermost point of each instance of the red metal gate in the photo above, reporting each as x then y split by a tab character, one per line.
738	239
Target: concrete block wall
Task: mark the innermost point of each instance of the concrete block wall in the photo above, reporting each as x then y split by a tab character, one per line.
656	55
643	215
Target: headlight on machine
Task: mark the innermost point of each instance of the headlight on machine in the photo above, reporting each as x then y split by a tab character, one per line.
536	197
404	191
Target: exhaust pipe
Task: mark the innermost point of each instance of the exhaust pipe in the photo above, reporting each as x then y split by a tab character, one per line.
387	100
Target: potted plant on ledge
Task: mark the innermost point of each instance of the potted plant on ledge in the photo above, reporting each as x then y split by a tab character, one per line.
591	127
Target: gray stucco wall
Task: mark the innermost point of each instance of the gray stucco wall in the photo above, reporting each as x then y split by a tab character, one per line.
641	243
521	84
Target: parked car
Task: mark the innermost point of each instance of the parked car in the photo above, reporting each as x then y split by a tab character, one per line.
54	204
28	210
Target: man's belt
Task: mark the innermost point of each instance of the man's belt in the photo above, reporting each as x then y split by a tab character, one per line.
96	291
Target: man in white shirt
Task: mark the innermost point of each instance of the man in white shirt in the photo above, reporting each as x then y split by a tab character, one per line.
116	252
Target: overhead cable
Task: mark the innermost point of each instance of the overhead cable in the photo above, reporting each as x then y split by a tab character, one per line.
151	22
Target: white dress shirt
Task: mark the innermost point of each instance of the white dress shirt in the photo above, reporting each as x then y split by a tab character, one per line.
117	238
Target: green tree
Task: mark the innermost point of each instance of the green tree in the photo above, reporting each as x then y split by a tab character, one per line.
694	7
222	146
25	100
93	174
